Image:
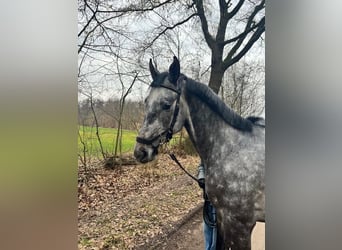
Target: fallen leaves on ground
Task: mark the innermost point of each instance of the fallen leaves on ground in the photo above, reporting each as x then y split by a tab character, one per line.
126	208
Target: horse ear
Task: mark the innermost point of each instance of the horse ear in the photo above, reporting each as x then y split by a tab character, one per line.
153	71
174	70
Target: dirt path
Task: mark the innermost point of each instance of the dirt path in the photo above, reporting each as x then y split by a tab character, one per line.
188	237
154	206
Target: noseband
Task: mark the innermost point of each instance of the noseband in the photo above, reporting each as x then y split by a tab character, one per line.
165	136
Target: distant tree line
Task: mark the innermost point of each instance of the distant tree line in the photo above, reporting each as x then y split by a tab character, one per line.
108	113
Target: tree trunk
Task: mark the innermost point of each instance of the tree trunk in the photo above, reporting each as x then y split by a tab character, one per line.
216	76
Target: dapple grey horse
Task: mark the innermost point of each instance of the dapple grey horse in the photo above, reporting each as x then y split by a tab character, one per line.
232	148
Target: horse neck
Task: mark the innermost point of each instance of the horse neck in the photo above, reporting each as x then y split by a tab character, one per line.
207	130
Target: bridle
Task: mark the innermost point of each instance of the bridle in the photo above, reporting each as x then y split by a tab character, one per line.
166	135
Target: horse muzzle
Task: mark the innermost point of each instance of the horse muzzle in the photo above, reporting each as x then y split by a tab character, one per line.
144	153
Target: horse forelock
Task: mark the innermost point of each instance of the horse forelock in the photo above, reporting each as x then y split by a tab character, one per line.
160	79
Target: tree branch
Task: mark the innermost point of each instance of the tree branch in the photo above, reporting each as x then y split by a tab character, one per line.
120	12
204	24
245	33
221	30
171	28
91	18
236	9
134	8
230	61
92	30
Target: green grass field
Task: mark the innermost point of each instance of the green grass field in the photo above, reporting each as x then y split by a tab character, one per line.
108	139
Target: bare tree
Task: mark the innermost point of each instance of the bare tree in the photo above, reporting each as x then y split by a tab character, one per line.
124	95
236	46
95	21
96	125
230	28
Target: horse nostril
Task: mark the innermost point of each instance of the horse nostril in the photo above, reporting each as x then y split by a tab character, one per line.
143	153
140	154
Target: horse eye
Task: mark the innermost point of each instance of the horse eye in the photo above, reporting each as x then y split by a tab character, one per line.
166	106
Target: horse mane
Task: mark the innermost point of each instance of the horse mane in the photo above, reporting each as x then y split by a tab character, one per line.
203	92
259	121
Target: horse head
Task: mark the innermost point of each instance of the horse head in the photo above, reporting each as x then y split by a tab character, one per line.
164	112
